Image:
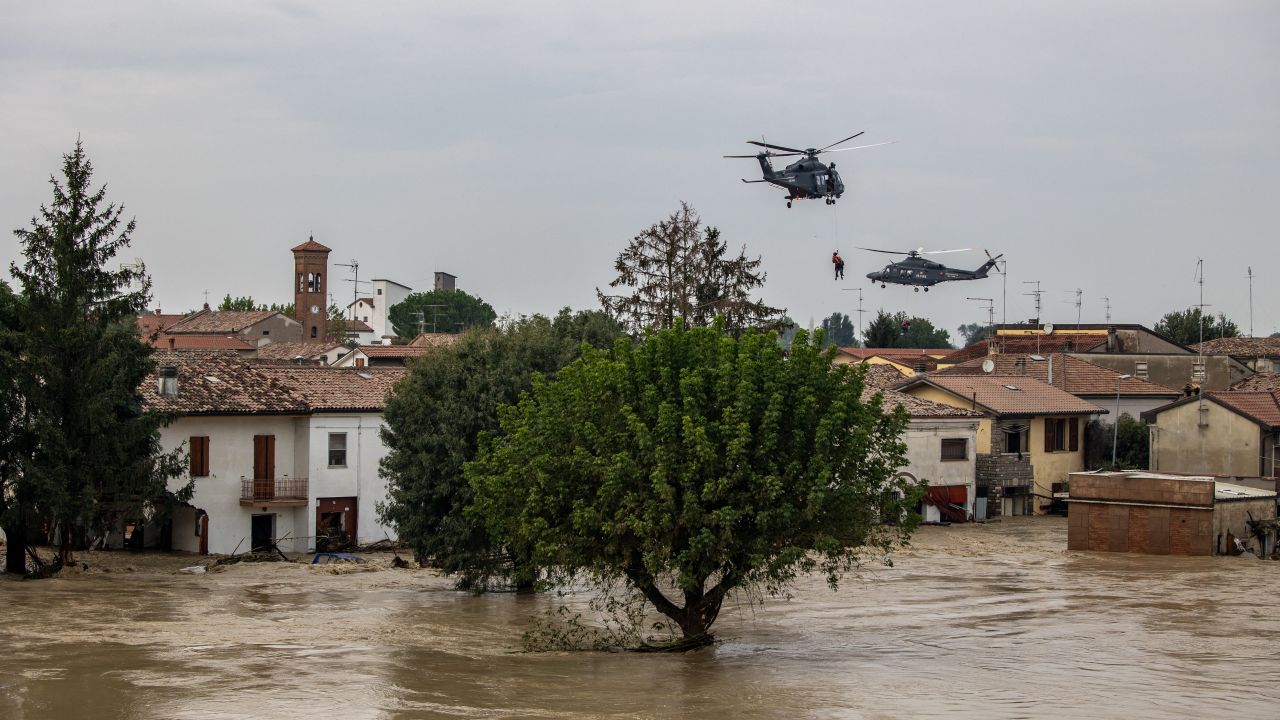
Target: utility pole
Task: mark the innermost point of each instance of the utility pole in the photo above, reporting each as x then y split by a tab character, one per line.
1036	294
1004	292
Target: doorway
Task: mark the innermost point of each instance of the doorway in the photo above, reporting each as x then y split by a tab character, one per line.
262	532
336	523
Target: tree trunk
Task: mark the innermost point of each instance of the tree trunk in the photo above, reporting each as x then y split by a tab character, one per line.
15	556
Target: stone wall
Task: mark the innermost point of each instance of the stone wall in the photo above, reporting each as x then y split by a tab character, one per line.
1003	476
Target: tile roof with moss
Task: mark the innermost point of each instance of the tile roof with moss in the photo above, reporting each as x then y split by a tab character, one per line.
1021	344
223	383
1264	381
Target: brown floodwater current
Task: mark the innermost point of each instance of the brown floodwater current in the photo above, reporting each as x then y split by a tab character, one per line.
993	621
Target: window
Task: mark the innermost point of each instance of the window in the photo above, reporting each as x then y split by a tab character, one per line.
359	362
955	449
313	331
1061	434
379	291
1197	372
266	332
337	449
1140	369
199	456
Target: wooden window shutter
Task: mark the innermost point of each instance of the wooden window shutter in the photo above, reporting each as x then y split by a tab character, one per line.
1049	440
199	456
1074	435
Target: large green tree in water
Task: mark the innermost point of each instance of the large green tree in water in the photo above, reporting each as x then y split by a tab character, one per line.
694	464
92	453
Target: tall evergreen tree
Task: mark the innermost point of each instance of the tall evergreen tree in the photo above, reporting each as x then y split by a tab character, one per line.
94	455
446	311
1183	326
838	330
12	430
676	269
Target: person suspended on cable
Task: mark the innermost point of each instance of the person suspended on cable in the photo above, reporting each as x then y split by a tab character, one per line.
838	262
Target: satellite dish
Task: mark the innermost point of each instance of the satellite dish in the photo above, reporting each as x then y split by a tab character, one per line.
988	365
1048	328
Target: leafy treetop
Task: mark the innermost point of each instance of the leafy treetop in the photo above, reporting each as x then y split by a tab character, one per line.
1183	326
447	311
695	462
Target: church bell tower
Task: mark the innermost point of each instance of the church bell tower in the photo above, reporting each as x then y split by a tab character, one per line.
310	296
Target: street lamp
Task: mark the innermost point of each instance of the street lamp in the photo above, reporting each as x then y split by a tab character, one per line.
1115	423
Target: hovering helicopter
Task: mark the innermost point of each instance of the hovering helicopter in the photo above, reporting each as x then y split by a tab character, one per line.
916	270
803	179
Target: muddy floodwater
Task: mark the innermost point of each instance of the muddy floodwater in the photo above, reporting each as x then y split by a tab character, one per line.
994	621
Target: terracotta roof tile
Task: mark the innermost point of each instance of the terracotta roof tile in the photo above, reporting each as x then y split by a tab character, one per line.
310	245
165	341
222	383
1010	394
917	407
1241	347
214	322
1076	376
151	323
883	377
358	326
328	389
1040	344
430	340
292	350
1264	381
902	355
1261	407
219	383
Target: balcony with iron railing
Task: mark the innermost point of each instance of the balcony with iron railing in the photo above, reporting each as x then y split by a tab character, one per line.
274	492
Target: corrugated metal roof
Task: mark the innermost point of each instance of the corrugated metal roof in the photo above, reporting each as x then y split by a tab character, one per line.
1231	491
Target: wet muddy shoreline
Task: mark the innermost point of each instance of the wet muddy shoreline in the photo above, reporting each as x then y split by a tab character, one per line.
971	621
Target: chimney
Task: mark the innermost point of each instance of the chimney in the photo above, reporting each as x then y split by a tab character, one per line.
206	306
1111	339
445	281
168	377
172	342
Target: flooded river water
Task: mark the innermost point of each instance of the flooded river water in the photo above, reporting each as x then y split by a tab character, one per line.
994	621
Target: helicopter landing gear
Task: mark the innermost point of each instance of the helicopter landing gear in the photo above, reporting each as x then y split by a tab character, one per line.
926	289
788	203
883	286
916	289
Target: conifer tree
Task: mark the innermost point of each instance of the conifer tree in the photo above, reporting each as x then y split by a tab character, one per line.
94	456
675	269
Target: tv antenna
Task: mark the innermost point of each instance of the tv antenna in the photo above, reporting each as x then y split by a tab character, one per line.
1106	303
435	318
1035	294
991	313
355	283
1250	276
1079	294
859	311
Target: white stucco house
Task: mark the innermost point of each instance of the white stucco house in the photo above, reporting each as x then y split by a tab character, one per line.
374	310
278	453
941	445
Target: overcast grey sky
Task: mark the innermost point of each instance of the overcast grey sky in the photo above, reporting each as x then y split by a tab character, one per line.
1099	145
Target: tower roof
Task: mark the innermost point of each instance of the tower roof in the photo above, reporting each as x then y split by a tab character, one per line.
310	246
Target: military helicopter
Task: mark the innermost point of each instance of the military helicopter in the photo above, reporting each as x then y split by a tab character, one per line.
803	179
916	270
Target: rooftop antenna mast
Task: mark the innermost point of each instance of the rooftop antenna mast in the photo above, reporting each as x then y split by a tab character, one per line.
1250	276
1079	294
1035	294
859	311
991	313
1106	302
435	317
1003	265
355	284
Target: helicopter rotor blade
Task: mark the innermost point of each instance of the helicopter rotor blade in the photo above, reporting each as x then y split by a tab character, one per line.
842	141
775	147
890	252
745	156
922	251
862	147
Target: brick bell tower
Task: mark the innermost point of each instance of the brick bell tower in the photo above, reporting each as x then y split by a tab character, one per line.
310	291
